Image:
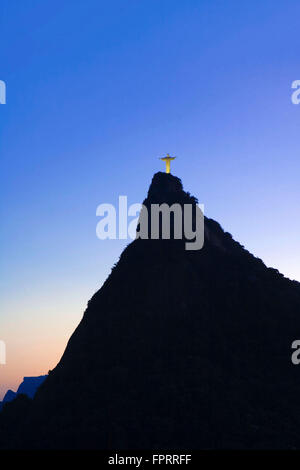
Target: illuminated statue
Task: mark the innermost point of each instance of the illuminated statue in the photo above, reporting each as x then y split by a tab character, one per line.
167	159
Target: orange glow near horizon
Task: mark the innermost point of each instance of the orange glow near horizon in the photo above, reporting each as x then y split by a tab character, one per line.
36	339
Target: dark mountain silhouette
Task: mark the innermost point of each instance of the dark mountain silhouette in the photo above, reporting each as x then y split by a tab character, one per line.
178	350
28	387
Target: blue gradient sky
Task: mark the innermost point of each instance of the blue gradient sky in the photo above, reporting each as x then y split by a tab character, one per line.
89	82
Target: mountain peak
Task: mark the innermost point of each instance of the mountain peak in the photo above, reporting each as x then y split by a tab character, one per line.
167	188
178	349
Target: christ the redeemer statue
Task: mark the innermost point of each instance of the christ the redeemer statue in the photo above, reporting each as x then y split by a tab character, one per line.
168	159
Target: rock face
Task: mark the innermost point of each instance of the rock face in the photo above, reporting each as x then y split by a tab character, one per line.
178	350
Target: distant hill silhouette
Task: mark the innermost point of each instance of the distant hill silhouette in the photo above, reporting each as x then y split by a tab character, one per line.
28	387
177	350
9	396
